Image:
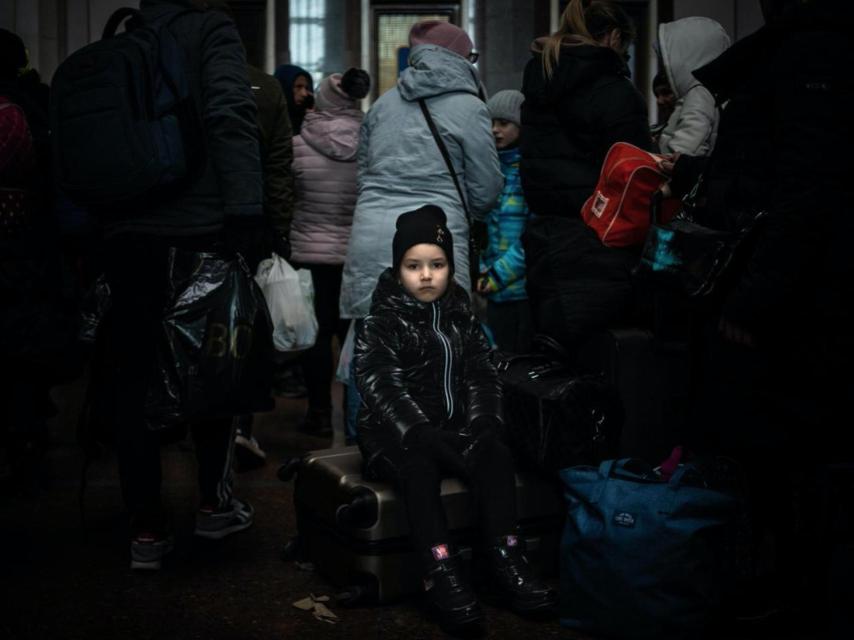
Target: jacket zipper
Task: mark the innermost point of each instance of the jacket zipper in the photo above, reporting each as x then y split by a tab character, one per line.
446	346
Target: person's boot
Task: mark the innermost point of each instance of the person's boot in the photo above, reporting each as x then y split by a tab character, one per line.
513	581
450	597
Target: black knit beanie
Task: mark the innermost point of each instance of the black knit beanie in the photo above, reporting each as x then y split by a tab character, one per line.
426	225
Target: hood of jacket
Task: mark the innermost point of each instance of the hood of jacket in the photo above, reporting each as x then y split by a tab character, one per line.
334	132
579	64
391	298
433	71
686	45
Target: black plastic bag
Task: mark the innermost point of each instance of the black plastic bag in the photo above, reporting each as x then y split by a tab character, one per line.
214	356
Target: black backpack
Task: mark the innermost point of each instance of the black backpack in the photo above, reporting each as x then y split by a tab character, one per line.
125	126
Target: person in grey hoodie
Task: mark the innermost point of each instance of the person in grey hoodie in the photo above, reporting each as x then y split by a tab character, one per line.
401	168
325	171
684	46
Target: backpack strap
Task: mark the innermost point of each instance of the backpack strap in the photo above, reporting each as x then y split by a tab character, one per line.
119	16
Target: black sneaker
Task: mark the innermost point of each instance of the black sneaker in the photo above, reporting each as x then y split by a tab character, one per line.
513	581
217	524
450	596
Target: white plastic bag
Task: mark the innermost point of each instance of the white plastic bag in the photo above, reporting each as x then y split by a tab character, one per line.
345	357
290	297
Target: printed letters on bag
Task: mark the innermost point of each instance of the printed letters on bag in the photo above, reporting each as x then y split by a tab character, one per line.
218	341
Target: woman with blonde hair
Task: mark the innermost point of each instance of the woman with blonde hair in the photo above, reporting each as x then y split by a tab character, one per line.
578	102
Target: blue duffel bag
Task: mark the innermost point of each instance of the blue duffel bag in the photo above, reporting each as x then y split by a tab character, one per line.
644	557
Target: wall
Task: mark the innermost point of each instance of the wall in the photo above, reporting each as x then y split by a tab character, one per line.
41	25
739	17
53	28
506	30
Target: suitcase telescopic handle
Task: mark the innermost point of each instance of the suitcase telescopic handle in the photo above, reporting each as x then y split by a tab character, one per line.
288	469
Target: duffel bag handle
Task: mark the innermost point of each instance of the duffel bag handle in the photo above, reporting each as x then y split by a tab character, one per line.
606	471
679	475
608	468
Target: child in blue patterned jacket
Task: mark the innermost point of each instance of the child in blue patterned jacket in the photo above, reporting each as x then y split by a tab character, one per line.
502	264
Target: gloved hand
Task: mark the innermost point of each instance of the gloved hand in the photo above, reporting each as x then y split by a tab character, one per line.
483	425
484	430
444	447
281	246
249	236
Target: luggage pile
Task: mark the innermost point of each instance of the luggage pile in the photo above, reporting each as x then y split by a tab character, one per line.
641	552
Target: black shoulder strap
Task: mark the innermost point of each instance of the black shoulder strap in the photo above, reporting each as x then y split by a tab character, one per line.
444	151
119	16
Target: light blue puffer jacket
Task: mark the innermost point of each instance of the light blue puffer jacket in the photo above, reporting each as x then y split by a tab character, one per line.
401	168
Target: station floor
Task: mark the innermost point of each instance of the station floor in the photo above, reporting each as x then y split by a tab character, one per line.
65	579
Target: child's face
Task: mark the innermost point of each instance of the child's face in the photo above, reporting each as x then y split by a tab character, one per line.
506	133
424	272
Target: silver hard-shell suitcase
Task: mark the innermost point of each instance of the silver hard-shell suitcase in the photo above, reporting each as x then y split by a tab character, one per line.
355	532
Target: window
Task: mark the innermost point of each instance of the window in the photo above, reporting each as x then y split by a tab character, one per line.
307	35
392	36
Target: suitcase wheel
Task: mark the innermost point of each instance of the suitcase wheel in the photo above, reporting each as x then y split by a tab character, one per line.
288	470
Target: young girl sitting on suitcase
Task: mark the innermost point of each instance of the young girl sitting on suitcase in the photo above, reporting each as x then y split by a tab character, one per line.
432	408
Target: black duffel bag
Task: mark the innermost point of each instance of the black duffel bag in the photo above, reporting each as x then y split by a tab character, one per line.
557	418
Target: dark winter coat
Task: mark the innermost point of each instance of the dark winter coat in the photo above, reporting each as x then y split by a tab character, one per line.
783	146
36	323
571	120
576	285
230	183
421	363
277	152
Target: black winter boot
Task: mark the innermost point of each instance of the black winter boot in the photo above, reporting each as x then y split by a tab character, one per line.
513	580
450	595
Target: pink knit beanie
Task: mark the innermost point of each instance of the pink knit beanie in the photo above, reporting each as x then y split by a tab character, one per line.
443	34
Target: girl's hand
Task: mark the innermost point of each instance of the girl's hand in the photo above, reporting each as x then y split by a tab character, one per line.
485	285
666	163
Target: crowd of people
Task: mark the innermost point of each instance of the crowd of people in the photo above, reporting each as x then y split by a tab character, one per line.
444	224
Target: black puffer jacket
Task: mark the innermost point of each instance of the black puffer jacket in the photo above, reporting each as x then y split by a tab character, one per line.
571	120
421	363
576	285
